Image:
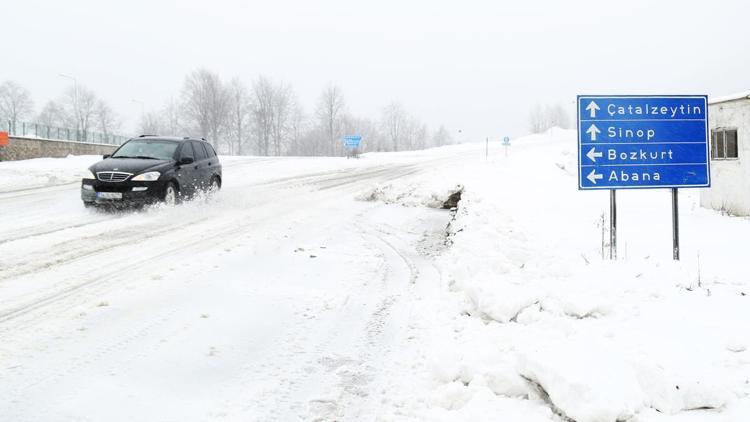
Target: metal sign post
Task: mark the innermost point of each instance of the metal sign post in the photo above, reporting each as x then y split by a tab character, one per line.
642	141
675	227
486	149
612	224
506	144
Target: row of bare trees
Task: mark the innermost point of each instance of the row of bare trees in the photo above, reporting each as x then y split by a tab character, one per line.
267	118
15	102
542	118
264	118
78	108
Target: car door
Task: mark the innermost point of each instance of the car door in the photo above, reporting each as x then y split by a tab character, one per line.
214	166
201	160
188	173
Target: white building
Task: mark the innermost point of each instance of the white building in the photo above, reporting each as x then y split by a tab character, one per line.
729	121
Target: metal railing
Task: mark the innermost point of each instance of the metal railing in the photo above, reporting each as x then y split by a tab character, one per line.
41	131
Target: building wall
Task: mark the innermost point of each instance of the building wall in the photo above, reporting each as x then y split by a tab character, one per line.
730	179
26	148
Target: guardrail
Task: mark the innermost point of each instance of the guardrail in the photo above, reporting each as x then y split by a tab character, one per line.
38	130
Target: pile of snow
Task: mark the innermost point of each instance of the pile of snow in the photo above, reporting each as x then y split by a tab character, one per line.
44	172
546	329
432	195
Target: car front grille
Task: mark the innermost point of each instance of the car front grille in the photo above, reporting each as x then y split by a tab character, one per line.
113	176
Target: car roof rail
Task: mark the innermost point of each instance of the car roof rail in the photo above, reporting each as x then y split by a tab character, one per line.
143	136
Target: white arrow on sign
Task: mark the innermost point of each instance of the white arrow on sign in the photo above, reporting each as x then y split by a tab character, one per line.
593	155
593	177
593	131
593	108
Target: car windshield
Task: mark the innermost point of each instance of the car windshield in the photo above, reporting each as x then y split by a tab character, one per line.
156	149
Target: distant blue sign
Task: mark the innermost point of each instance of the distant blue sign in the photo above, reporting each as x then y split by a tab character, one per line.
352	141
632	142
506	141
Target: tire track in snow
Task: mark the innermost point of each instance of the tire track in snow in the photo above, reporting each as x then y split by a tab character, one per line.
70	254
359	376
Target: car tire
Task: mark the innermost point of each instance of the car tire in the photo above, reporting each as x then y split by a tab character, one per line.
170	194
215	185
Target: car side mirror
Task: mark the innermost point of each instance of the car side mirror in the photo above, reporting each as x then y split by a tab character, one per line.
186	160
105	156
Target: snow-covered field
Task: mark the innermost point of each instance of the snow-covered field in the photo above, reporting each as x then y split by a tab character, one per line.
334	289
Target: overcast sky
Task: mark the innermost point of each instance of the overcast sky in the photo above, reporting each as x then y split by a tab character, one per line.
478	66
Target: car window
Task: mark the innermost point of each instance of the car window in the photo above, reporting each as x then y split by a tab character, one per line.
147	148
200	152
187	151
210	150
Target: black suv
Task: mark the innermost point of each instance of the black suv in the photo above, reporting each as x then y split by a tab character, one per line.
149	169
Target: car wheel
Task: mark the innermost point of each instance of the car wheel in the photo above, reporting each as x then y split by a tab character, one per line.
170	194
215	185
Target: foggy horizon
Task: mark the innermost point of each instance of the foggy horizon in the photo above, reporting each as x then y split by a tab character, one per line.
478	68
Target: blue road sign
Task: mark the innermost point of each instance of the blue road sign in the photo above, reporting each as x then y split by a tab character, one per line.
506	141
352	141
632	142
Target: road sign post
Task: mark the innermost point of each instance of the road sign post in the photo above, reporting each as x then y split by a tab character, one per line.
675	227
613	224
506	144
638	142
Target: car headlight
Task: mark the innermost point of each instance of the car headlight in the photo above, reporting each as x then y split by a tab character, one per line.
147	177
89	175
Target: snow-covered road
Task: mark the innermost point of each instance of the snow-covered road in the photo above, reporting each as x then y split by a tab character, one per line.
332	289
280	299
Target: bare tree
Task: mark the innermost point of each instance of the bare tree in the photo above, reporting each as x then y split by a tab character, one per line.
330	111
80	105
537	119
395	121
52	114
240	108
15	102
150	124
419	135
263	104
297	127
557	116
543	118
441	137
108	121
281	107
170	119
205	104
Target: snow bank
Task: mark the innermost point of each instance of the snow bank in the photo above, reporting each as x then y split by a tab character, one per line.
553	331
44	172
434	196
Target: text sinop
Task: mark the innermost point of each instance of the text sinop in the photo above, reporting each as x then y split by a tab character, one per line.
640	134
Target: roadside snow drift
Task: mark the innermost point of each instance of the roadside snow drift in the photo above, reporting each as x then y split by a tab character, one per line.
547	322
331	289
